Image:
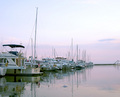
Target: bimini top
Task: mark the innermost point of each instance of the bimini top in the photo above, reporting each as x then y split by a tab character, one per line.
14	45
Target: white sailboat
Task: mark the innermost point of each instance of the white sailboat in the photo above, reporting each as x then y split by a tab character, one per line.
79	63
33	62
49	64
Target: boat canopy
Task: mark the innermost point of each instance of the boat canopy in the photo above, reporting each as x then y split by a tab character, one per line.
14	45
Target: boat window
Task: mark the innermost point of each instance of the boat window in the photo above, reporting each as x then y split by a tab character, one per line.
14	52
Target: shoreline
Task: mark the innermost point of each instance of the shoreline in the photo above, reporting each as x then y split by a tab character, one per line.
104	64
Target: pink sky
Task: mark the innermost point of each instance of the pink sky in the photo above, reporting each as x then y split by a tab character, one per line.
93	24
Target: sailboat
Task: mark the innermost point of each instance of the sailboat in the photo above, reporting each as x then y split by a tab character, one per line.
33	65
79	63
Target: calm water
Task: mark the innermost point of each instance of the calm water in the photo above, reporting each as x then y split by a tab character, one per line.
97	81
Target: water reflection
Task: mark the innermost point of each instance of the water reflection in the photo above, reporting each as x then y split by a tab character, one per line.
97	81
65	77
15	86
8	88
26	86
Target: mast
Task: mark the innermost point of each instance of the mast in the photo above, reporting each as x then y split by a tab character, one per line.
32	51
35	33
68	55
77	54
32	46
72	49
85	55
54	54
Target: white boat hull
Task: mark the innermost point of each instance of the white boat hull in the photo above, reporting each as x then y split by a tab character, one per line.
2	71
28	71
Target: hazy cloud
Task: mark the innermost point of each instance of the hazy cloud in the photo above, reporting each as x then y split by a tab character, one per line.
106	40
91	1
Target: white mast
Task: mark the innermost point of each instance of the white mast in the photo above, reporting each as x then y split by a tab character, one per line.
54	54
72	49
32	51
32	46
68	55
35	34
77	54
85	55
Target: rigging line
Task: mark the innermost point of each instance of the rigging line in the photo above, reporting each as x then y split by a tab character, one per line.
29	39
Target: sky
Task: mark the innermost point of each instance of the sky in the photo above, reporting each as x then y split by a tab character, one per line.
94	25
